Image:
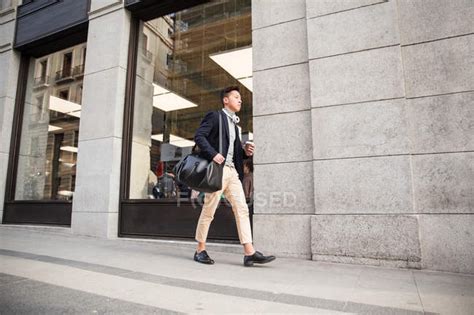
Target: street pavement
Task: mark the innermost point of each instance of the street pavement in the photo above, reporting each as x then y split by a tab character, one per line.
51	271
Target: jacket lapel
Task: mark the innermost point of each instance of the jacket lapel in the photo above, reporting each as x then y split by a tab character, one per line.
225	126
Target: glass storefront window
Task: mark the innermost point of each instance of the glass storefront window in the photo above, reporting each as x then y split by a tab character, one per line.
50	129
184	60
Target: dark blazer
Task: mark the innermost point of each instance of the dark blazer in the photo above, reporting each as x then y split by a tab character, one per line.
207	139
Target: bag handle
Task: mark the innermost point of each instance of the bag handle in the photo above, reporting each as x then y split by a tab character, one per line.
220	132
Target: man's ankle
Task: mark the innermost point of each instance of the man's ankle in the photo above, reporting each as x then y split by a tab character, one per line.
200	247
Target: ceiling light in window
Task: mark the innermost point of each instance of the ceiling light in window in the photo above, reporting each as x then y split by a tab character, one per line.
69	149
238	63
168	101
53	128
66	193
247	82
75	114
62	106
175	140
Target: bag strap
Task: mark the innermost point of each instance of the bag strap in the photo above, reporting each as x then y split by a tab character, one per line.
220	132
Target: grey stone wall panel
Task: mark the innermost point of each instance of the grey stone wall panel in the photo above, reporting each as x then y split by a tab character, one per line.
354	30
447	242
270	12
6	123
98	175
275	46
103	225
102	113
442	123
10	65
444	183
7	33
3	177
357	77
281	90
393	238
422	21
285	188
102	4
283	235
439	67
376	185
107	44
283	138
366	129
323	7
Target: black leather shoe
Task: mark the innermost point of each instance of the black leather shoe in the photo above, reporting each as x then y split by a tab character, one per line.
203	258
257	258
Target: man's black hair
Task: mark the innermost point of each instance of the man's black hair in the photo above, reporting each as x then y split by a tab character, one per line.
225	92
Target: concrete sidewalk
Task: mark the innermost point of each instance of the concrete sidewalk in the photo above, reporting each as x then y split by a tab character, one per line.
50	271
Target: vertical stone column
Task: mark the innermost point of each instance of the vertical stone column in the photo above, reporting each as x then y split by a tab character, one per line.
96	199
282	126
9	67
361	146
438	57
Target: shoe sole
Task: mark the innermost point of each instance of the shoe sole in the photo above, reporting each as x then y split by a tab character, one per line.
251	263
203	262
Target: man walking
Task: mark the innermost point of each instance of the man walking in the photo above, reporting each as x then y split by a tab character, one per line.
207	139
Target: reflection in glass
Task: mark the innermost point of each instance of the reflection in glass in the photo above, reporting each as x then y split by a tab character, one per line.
184	60
50	131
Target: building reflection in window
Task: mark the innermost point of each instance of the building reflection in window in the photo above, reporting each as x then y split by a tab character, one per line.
50	131
184	60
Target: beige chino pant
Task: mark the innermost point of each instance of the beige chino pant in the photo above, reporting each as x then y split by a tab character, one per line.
234	192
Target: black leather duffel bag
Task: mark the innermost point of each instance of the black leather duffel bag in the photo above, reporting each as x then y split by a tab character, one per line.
199	173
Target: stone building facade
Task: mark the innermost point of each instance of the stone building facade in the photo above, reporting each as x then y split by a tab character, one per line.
363	118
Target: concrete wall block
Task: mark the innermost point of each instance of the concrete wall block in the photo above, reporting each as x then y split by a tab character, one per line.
444	183
281	90
98	176
283	138
366	237
283	235
3	179
6	123
8	14
265	12
375	128
430	20
7	33
275	46
102	4
10	65
107	41
294	194
442	123
447	242
101	156
102	108
439	67
103	225
358	77
323	7
93	194
354	30
364	185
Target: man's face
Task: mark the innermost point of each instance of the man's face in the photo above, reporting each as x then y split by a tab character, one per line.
233	101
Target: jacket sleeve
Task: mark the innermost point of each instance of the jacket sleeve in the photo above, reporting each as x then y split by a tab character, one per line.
202	133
